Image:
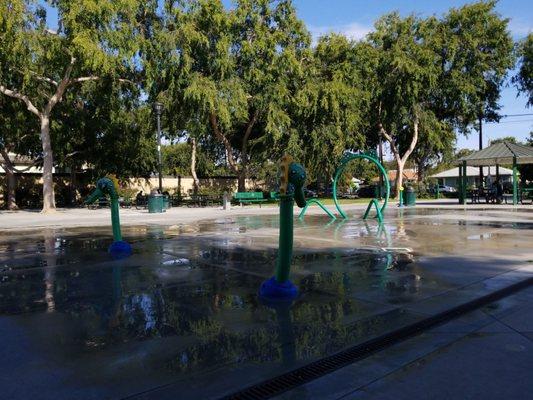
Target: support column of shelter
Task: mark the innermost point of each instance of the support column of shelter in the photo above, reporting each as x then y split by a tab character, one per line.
515	182
465	182
460	184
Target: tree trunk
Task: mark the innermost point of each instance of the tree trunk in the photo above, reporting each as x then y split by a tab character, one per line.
11	187
73	196
8	166
399	177
401	160
49	203
241	182
196	181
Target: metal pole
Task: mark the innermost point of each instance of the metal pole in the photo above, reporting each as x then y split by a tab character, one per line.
480	148
159	159
381	161
515	182
460	184
465	182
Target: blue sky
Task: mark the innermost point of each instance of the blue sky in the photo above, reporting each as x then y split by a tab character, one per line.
355	18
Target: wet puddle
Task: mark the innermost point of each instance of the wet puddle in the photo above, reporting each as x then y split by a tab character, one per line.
182	316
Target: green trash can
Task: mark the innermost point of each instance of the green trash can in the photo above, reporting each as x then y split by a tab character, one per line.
409	196
166	202
155	203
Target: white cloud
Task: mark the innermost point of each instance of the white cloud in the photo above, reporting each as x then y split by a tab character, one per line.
353	30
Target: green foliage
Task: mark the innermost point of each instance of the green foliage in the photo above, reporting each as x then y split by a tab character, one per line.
231	73
476	52
246	85
110	130
330	107
524	78
510	139
435	143
177	161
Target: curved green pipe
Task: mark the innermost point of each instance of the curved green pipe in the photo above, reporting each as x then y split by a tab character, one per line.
105	186
318	203
293	192
339	171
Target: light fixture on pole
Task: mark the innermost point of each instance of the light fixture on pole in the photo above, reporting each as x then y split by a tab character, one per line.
158	108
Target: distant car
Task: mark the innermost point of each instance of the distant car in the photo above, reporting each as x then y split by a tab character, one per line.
447	189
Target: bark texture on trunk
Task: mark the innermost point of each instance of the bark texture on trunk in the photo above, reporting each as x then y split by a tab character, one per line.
49	202
227	145
196	181
241	182
11	188
401	160
399	176
44	118
11	203
241	171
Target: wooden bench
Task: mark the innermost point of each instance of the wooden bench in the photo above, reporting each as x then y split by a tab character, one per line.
249	197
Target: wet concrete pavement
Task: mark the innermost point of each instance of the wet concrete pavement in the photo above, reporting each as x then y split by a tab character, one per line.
485	354
181	318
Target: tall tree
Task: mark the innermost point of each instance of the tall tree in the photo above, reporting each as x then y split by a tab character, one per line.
524	78
476	53
330	107
234	70
38	65
405	76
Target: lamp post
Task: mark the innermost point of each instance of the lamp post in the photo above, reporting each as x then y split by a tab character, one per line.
158	108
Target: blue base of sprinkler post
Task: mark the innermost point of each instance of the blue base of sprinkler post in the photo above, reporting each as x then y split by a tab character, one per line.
120	249
273	290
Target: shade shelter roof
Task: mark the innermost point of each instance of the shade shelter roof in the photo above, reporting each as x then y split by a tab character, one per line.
500	153
473	171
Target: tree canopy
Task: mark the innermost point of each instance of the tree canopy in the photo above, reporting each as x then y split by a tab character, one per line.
242	85
524	79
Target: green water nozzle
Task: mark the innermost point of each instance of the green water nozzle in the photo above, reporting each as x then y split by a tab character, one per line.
296	182
104	186
95	195
292	180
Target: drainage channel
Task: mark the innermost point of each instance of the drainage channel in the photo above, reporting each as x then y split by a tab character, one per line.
282	383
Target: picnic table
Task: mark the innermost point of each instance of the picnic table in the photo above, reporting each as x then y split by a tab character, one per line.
489	194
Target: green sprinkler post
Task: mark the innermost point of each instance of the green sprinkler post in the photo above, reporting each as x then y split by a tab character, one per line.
286	230
400	194
279	287
105	186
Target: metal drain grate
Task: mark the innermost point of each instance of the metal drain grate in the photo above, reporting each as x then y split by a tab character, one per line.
314	370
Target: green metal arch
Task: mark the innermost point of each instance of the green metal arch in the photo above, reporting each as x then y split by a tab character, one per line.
339	171
318	203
